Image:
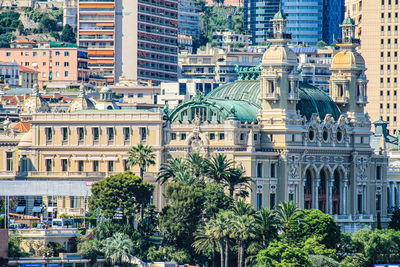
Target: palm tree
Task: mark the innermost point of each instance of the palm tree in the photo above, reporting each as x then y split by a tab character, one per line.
187	178
267	225
288	214
243	227
242	208
219	168
236	178
205	239
143	156
170	169
118	249
196	164
220	228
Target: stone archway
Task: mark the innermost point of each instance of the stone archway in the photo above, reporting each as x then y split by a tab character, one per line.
323	189
337	191
309	179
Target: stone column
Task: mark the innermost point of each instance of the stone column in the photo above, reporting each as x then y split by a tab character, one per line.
330	189
398	196
316	185
392	198
344	198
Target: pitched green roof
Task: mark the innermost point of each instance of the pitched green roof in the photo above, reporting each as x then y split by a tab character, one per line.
279	15
348	20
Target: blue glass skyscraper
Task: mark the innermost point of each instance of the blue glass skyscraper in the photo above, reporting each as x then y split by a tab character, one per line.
333	15
309	21
304	20
257	16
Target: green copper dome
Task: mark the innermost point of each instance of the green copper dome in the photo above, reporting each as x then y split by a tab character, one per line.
241	100
279	15
348	20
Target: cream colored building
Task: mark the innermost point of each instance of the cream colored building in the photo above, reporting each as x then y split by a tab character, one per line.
379	23
297	142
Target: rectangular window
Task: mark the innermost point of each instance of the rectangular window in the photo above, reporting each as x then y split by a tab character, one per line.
272	201
81	165
95	165
66	64
34	54
8	54
81	133
378	172
291	197
64	165
65	73
183	136
110	134
64	132
49	165
49	134
10	161
96	132
221	136
66	54
378	202
173	136
57	63
57	53
143	134
359	203
111	166
273	170
140	95
127	134
259	169
259	201
212	136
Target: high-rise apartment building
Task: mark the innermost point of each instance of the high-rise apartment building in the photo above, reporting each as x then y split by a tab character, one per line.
70	13
134	39
309	21
304	20
189	18
333	15
380	48
257	18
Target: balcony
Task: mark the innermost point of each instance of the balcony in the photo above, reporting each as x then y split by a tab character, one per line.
8	174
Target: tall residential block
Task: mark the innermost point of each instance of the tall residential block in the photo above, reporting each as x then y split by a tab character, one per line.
379	47
304	20
137	40
189	18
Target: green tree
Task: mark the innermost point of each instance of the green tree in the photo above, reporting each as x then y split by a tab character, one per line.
206	241
219	168
179	219
123	192
197	165
290	216
48	24
168	253
14	247
5	39
395	219
243	231
68	34
91	249
314	246
215	200
142	156
321	44
170	169
323	261
282	254
118	249
236	179
316	223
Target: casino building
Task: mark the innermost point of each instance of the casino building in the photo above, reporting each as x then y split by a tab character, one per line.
297	142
